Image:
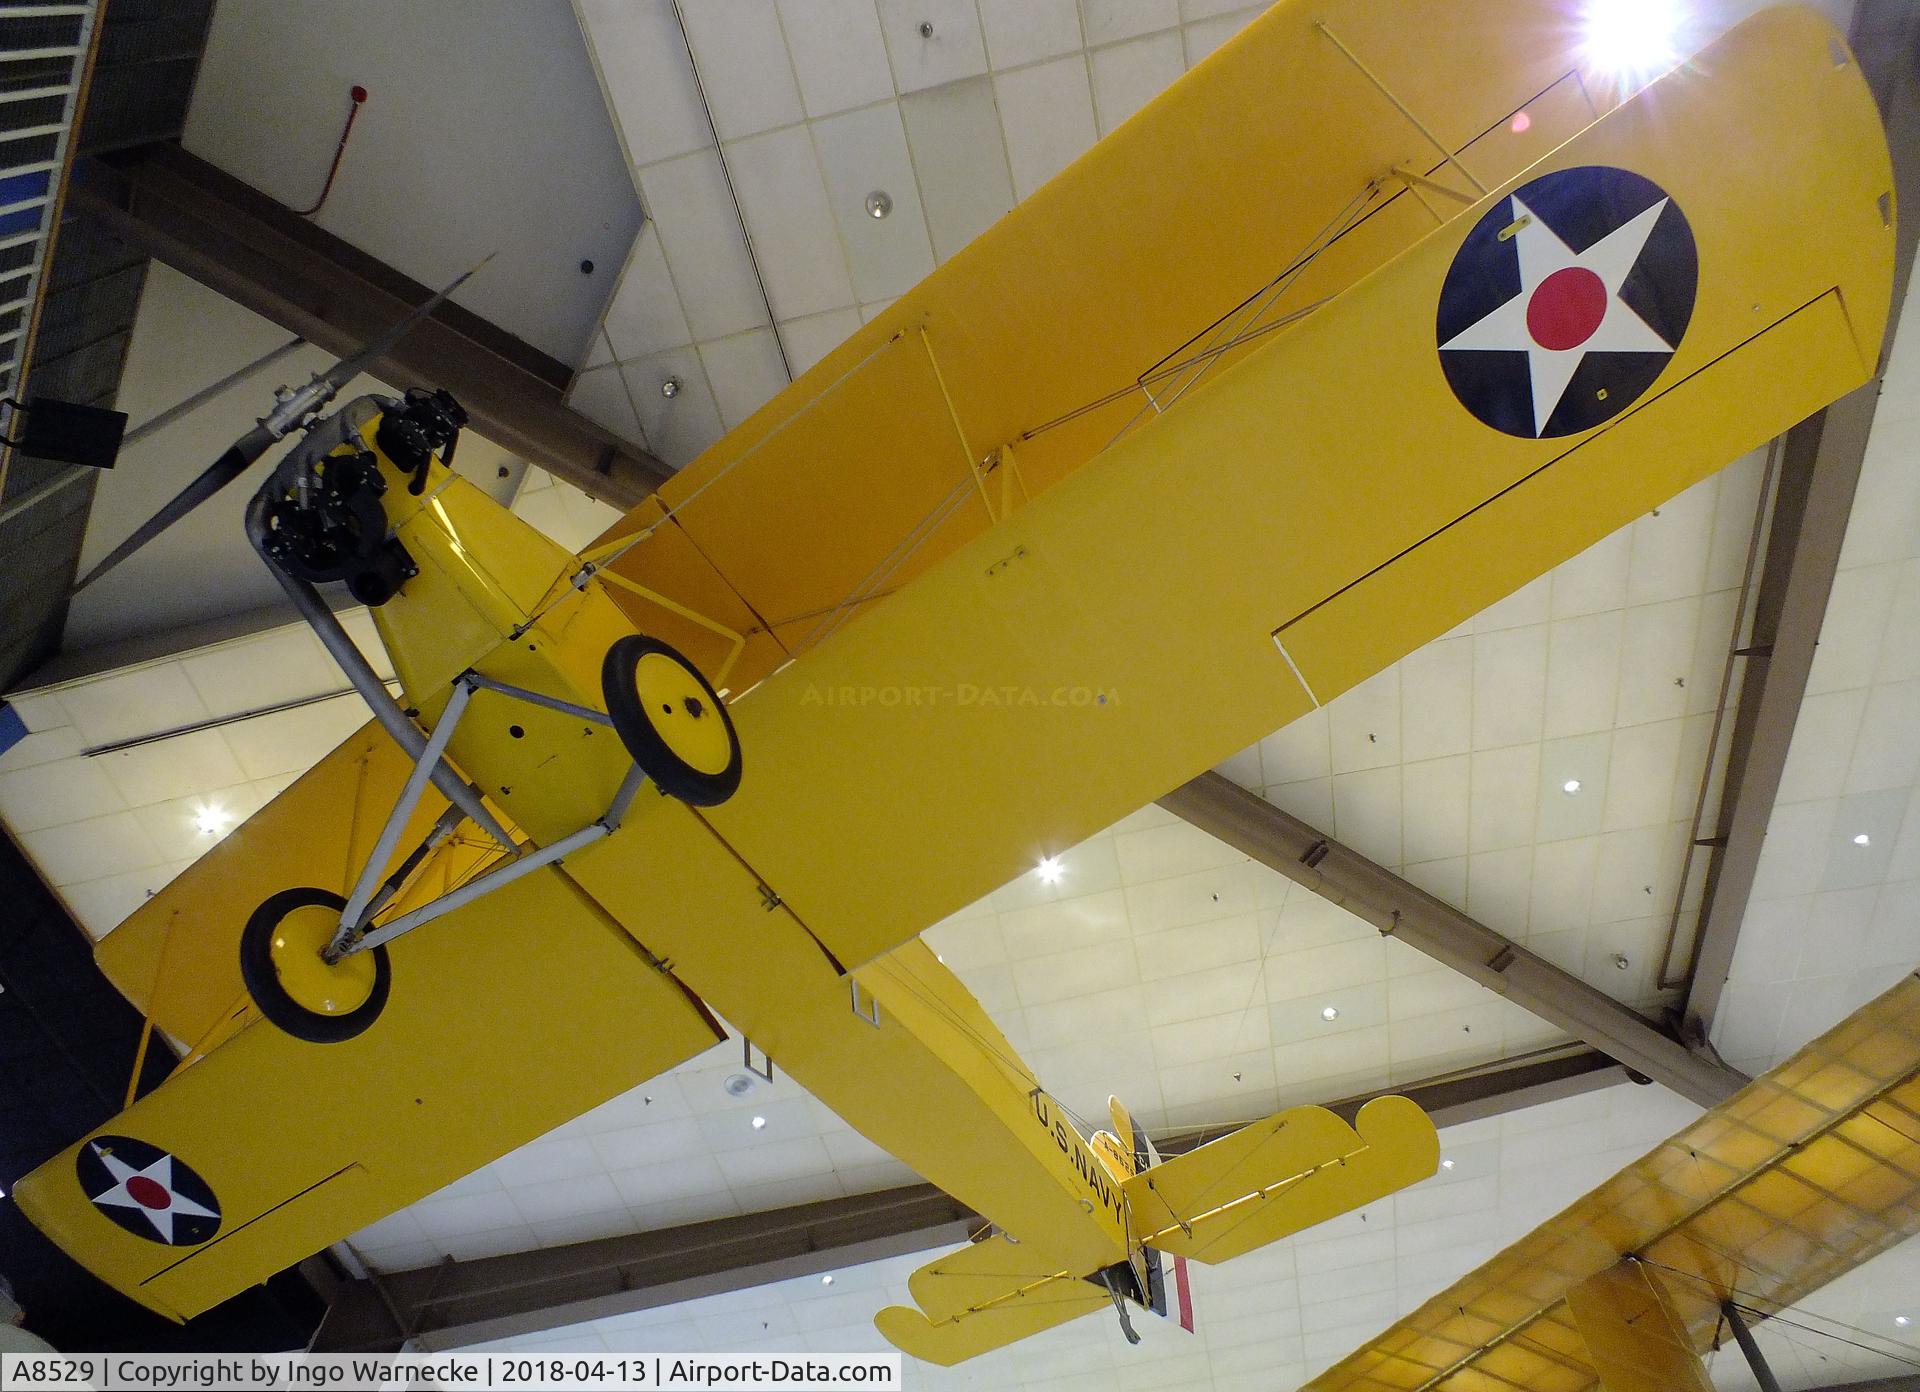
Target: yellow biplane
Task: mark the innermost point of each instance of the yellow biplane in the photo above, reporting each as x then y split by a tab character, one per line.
1329	347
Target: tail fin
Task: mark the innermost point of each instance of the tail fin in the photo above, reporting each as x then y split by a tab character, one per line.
1275	1177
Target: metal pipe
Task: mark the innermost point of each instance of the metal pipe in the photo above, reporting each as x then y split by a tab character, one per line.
1756	1360
486	884
535	698
307	601
355	912
206	394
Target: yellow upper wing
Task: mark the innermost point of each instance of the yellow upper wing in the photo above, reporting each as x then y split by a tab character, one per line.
508	1017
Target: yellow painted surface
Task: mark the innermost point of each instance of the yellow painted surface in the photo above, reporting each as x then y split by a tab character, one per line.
1635	1339
1799	1177
1273	1178
1115	635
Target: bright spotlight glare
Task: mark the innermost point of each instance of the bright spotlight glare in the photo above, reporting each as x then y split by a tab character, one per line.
1632	38
1050	870
212	819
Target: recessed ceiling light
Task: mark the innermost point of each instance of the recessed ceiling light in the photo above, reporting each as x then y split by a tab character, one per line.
1446	1164
212	819
1863	840
1902	1321
1050	870
670	388
1570	787
879	204
826	1280
1331	1013
759	1123
736	1085
1629	38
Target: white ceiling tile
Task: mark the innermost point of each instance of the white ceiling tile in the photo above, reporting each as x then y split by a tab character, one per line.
1795	857
838	53
1193	11
687	201
1349	1055
1655	660
1670	546
745	373
1835	930
1047	114
1595	580
643	65
811	338
188	827
1108	20
171	768
101	905
1711	646
562	1198
1583	673
1899	658
1637	875
1309	799
599	354
1198	995
1886	507
1084	921
1430	992
1199	947
785	204
744	67
68	790
1505	789
1640	943
1822	745
1875	816
679	427
1499	884
1306	976
662	1143
1733	520
1024	31
1563	886
1528	605
1640	775
932	42
1216	1036
547	1159
800	1158
960	157
1856	620
1364	724
1510	685
1905	864
1204	896
134	703
601	396
583	1227
1158	853
1299	749
871	312
1079	1018
266	669
1445	880
645	314
1062	974
1436	699
1584	760
1366	813
648	1187
1203	38
1887	754
860	153
1434	795
91	849
443	1218
61	742
1243	768
1126	76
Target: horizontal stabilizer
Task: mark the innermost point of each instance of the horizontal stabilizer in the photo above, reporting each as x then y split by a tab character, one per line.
1275	1177
983	1297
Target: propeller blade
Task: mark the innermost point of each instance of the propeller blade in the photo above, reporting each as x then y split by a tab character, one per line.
237	459
288	412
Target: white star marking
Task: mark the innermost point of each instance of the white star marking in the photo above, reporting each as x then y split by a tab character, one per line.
1542	253
160	1172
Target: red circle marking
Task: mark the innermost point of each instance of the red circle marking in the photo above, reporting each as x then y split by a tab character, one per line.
148	1193
1566	308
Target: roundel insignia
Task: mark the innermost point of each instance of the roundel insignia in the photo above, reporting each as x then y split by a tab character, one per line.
1566	301
146	1191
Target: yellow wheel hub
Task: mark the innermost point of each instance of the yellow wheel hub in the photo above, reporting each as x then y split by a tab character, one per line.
682	714
298	941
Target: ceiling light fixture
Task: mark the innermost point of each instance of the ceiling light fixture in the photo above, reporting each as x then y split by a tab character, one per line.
212	819
670	388
1446	1164
826	1280
1632	38
1902	1321
1570	787
736	1085
1863	840
879	204
759	1123
1050	870
1331	1013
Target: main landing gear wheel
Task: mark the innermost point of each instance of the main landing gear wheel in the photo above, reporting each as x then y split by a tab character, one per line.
290	981
671	721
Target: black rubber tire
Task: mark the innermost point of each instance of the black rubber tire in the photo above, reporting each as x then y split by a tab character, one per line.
263	982
632	723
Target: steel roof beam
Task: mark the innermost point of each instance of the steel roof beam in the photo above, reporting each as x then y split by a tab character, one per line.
1255	827
464	1302
231	238
1820	469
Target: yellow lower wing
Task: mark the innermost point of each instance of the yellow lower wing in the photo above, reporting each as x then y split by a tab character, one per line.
984	1297
506	1018
1273	1178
